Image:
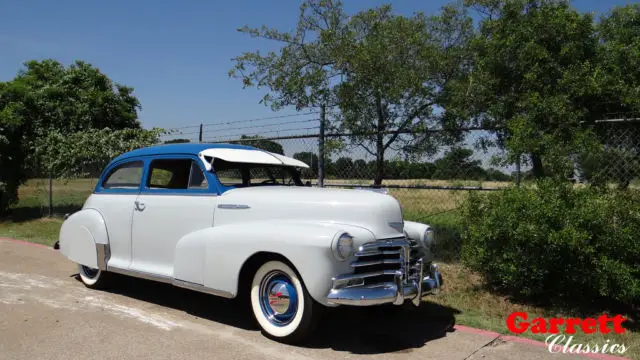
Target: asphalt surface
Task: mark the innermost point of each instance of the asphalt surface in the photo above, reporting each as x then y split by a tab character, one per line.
46	313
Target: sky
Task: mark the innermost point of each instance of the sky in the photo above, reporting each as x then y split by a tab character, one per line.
176	55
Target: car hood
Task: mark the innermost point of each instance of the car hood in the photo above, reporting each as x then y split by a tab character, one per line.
379	213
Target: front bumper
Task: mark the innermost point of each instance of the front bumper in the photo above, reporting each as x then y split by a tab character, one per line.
396	292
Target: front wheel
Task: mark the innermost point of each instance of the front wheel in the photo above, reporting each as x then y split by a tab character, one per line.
92	278
281	305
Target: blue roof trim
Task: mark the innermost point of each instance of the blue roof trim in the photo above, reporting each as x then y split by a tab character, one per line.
185	148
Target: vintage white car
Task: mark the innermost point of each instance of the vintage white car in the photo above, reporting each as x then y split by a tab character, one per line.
231	220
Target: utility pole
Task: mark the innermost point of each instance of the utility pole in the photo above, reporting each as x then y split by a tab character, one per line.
200	135
321	147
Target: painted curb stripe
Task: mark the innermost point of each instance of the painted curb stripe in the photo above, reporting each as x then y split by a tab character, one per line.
527	341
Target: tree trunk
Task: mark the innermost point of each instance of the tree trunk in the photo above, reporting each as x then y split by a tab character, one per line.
379	173
537	168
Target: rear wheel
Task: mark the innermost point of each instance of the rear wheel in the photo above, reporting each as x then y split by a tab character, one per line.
280	303
92	278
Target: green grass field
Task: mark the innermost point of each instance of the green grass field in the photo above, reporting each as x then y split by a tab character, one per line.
464	292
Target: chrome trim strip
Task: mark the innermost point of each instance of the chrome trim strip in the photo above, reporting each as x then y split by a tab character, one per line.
376	262
185	193
374	245
380	252
140	274
364	275
202	288
172	281
233	206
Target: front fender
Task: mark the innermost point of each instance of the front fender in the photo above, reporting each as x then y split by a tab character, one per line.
81	237
415	230
214	256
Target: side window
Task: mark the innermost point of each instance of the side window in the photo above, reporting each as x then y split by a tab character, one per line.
197	180
125	176
230	174
175	174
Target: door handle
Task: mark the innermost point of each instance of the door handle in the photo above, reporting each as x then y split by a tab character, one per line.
139	205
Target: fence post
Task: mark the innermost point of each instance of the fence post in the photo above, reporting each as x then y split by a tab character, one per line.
200	134
321	147
518	170
50	194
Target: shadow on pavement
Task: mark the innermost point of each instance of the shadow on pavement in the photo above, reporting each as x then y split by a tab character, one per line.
358	330
383	329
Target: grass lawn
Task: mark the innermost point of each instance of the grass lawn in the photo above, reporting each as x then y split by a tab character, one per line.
464	292
42	231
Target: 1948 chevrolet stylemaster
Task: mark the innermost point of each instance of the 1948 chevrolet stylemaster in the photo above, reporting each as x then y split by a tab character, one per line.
231	219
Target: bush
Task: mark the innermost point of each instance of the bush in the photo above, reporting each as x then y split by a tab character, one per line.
553	241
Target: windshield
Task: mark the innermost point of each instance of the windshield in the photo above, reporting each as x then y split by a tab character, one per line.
233	174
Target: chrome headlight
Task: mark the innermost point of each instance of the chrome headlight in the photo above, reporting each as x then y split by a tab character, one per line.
343	247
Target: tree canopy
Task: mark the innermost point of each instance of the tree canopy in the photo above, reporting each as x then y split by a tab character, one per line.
385	73
534	73
48	98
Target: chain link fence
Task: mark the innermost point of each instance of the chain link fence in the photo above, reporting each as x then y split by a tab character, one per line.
428	186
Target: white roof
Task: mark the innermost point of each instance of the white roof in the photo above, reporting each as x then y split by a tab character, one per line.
249	156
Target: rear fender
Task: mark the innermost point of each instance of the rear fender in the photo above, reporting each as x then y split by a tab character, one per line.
84	240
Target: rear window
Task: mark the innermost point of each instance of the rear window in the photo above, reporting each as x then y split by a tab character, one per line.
125	176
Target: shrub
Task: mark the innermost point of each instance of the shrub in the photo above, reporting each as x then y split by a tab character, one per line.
554	241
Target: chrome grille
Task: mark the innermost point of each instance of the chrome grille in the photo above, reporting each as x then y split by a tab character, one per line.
379	261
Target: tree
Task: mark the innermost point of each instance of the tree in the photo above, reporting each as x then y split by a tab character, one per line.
177	141
619	35
398	70
384	72
457	164
310	159
344	168
302	74
534	79
260	143
46	97
87	152
618	75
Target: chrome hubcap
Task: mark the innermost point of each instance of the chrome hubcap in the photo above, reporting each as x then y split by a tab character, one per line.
89	272
278	298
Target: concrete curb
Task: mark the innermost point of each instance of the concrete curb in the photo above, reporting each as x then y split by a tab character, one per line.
461	328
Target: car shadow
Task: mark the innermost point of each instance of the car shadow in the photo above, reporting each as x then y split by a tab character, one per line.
383	329
358	330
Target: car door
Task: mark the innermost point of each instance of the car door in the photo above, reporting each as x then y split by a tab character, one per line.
177	198
114	197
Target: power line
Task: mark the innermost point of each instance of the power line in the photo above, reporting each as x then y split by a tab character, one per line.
234	137
249	120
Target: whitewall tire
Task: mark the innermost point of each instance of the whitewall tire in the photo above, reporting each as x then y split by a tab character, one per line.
92	278
280	303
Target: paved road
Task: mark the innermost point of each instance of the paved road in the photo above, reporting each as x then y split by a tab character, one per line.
46	313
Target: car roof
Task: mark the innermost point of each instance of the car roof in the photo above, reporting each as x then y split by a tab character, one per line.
182	148
228	152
